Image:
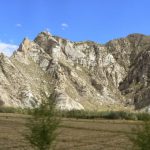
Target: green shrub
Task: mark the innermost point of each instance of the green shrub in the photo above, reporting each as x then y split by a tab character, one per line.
143	116
141	137
121	115
113	115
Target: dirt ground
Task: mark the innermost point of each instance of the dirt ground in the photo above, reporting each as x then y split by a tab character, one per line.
74	134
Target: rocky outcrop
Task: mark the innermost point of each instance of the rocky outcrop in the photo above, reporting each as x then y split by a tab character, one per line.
136	85
82	75
132	53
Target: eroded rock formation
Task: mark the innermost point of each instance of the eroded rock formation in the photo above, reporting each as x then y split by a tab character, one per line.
81	75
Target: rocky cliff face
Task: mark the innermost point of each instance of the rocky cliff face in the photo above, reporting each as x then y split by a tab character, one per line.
81	75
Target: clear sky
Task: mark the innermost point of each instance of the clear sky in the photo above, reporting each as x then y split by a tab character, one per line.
77	20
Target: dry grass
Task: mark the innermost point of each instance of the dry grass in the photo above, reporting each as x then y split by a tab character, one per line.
75	134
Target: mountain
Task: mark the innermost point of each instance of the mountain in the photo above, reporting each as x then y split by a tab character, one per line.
81	75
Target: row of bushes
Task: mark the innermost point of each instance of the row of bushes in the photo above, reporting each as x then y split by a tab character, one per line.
81	114
14	110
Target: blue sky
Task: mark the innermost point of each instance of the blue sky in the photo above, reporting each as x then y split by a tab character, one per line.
77	20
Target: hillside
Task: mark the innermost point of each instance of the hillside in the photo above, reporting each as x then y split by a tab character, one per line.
81	75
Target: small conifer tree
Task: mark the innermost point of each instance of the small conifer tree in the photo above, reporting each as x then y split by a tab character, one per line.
42	125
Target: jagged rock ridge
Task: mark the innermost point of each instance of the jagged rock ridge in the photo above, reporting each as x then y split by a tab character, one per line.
81	75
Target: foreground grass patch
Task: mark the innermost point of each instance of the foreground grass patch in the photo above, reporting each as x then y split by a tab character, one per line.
74	134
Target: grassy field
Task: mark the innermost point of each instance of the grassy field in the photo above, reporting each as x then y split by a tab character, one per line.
74	134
